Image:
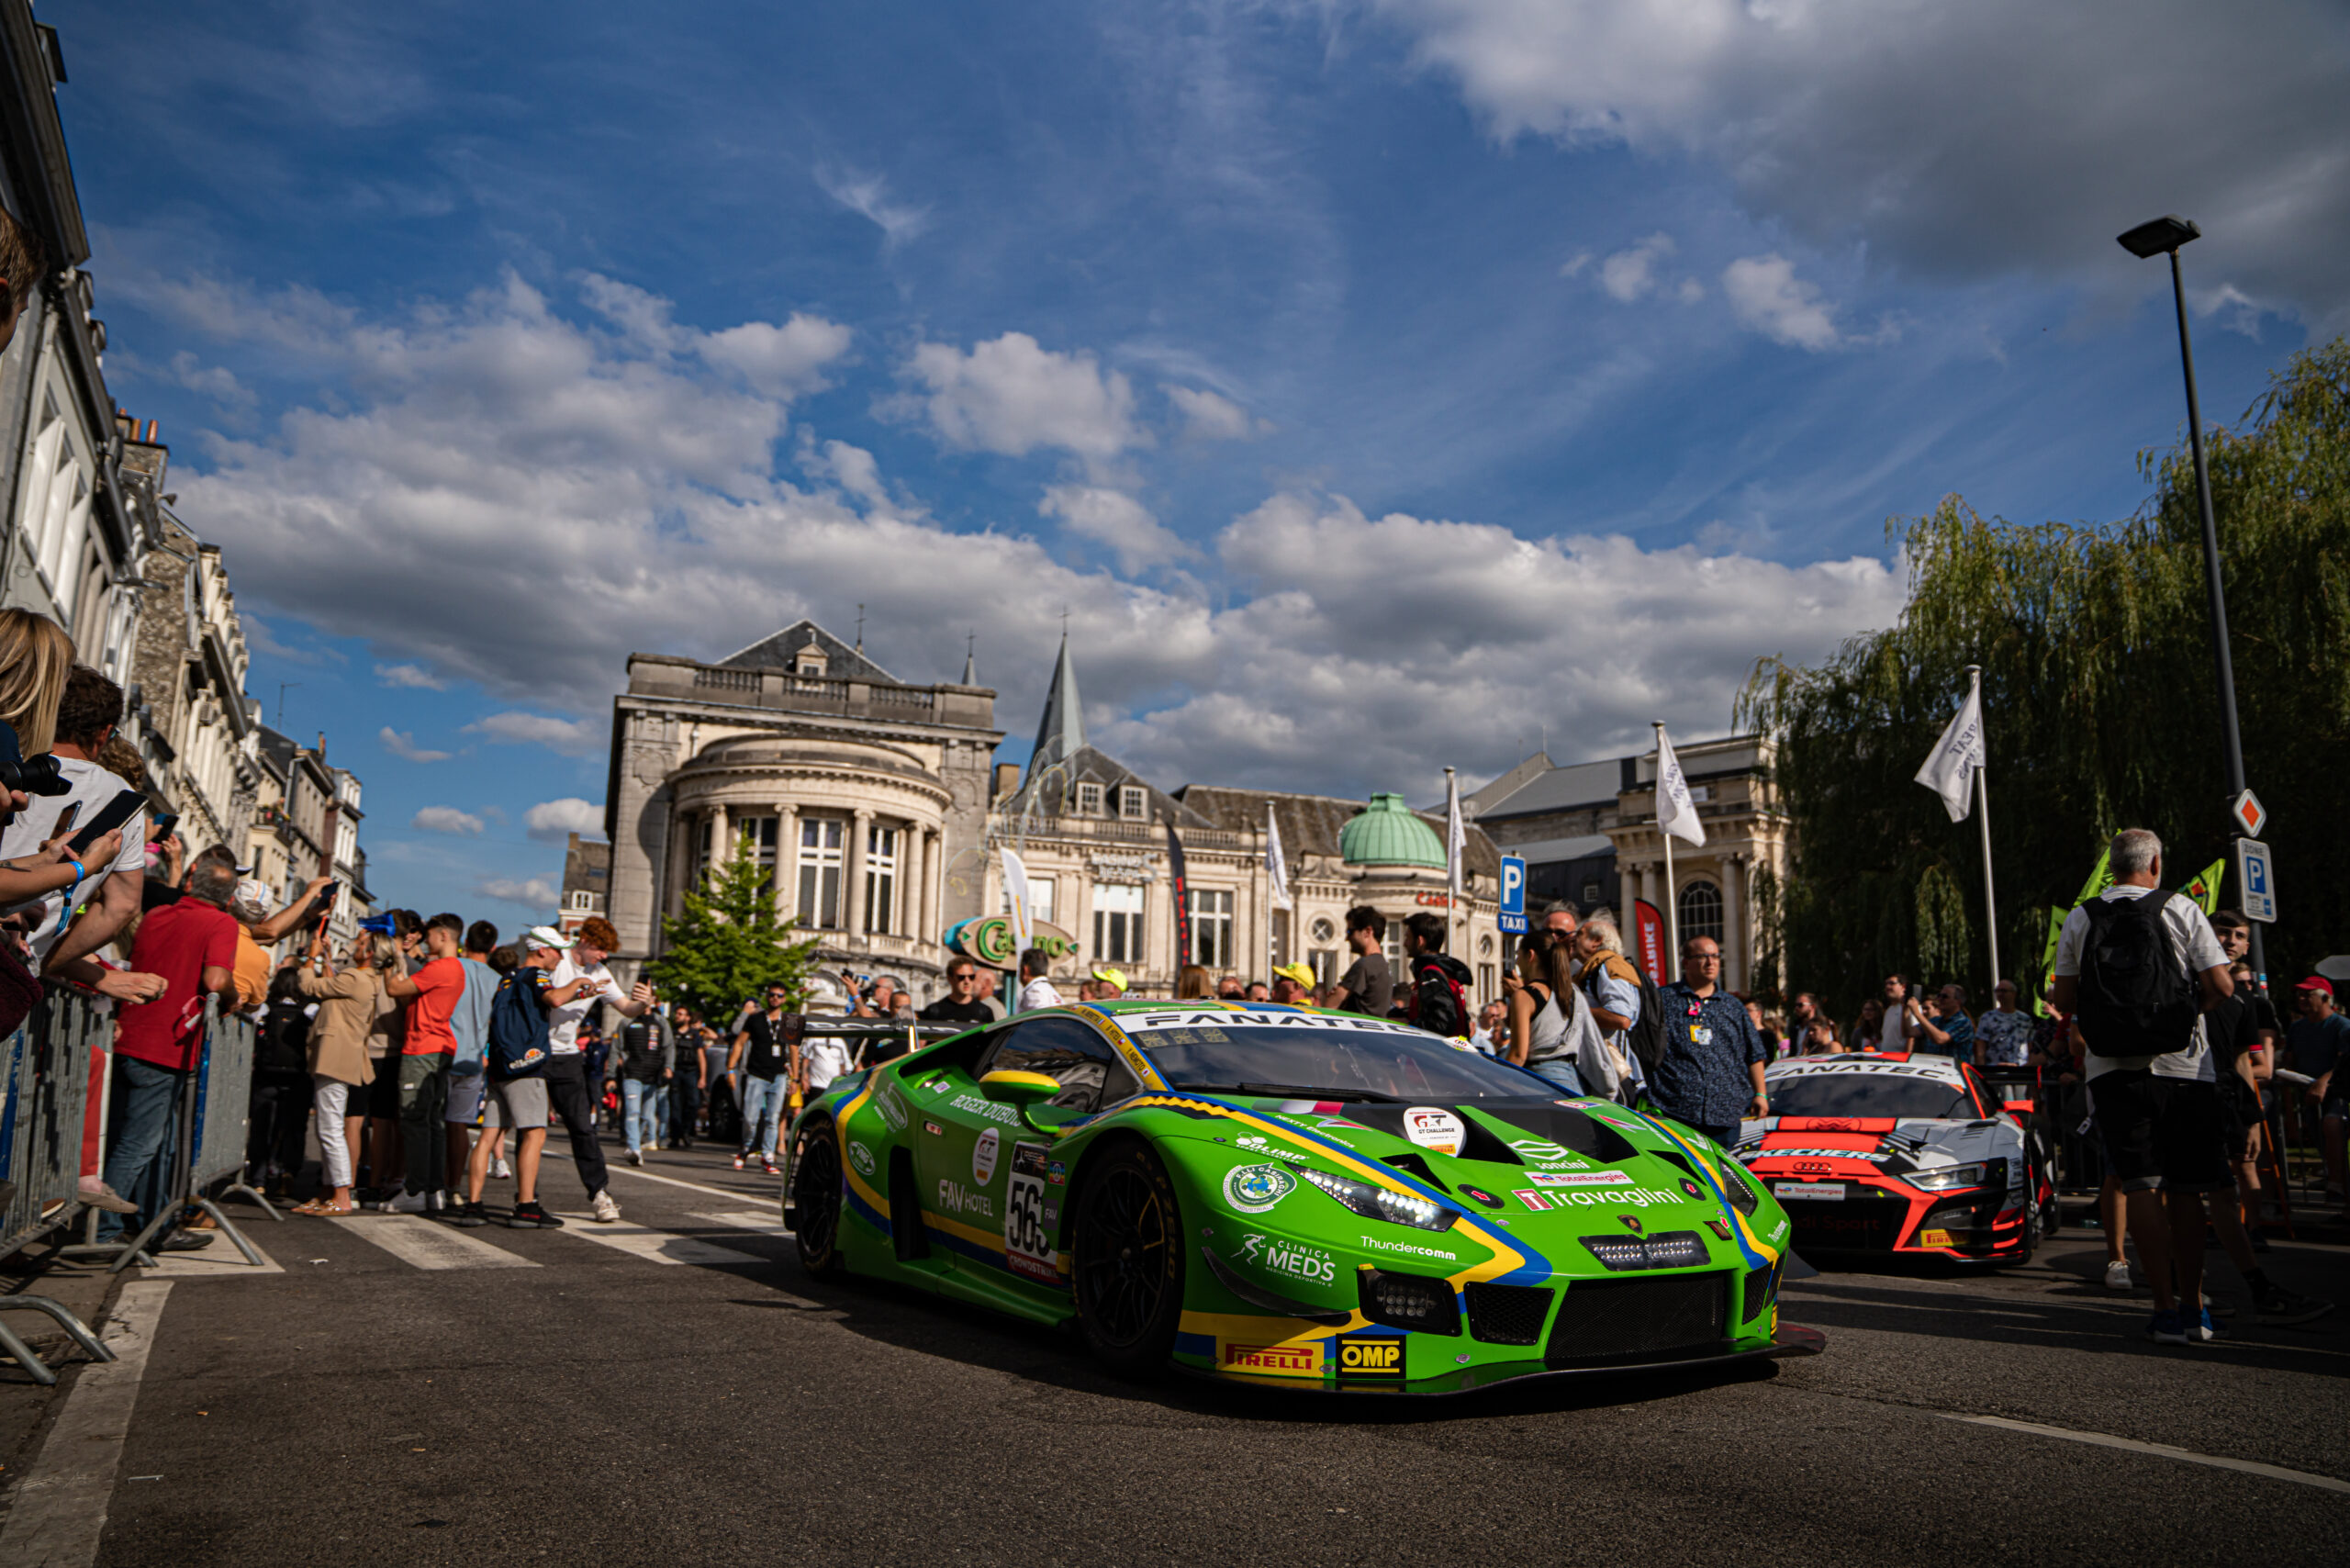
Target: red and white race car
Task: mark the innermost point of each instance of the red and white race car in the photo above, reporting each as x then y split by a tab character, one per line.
1900	1152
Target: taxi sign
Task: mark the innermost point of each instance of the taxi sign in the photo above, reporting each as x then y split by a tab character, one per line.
2256	877
2249	815
1513	900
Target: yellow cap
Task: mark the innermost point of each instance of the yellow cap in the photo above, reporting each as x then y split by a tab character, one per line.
1115	977
1301	973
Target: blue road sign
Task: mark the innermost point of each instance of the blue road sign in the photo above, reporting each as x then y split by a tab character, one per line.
2256	879
1513	893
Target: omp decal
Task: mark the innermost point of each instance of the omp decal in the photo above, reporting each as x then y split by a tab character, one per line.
1370	1358
1757	1252
1513	1262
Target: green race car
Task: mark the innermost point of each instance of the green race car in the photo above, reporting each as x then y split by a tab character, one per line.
1289	1197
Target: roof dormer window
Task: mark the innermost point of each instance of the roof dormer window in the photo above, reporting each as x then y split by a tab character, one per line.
808	660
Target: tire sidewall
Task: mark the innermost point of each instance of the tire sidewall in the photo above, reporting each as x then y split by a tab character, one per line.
827	1261
1149	1353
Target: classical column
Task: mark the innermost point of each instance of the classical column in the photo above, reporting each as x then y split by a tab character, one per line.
1734	943
787	861
855	870
927	927
679	871
1627	891
722	837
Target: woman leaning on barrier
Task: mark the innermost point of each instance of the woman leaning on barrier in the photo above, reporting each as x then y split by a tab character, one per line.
35	658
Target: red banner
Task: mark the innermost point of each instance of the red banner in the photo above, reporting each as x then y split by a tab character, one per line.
1648	942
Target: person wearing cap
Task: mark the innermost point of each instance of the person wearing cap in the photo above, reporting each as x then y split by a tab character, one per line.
1109	983
582	957
2317	1041
1293	985
521	1101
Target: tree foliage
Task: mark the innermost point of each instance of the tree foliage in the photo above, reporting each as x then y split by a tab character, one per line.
729	946
2101	709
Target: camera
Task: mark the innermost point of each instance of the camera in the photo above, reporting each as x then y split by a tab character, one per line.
33	775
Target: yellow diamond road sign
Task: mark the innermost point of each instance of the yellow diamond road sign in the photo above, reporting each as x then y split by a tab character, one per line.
2249	815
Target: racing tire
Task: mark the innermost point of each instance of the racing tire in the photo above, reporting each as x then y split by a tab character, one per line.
816	1199
1126	1255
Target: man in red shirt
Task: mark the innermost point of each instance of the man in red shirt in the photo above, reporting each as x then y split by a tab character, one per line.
191	946
430	1045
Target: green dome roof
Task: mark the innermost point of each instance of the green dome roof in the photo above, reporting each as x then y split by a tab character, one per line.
1385	833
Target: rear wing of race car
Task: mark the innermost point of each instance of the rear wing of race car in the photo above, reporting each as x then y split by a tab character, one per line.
877	1040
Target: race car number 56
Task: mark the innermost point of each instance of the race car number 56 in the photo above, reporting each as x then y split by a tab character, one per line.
1027	1241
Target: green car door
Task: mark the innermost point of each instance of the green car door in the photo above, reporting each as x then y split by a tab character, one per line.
989	1184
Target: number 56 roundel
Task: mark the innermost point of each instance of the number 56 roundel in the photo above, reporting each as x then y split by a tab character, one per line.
1030	1216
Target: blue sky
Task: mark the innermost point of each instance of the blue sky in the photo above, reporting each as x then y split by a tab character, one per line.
1377	386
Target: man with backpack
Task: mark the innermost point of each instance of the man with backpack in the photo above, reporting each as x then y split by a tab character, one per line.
517	1062
1439	999
2137	968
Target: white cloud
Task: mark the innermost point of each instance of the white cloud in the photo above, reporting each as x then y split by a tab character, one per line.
853	468
552	821
504	497
447	819
413	676
1011	395
535	894
868	195
1115	518
572	737
782	362
402	744
1208	416
1767	296
1630	273
1964	141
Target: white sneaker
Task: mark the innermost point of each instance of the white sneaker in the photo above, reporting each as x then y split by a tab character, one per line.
635	1158
2117	1277
407	1204
605	1209
500	1169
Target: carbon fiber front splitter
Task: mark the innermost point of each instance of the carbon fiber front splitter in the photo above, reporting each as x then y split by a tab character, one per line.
1791	1339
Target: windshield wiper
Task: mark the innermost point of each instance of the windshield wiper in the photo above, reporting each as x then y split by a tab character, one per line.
1321	1092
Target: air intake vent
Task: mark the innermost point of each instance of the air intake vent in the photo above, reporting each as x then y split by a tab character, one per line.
1663	1318
1507	1315
1756	1300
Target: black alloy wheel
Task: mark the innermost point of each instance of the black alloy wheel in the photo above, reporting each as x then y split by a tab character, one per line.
816	1199
1128	1261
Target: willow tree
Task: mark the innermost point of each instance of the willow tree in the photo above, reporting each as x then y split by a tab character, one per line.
2100	710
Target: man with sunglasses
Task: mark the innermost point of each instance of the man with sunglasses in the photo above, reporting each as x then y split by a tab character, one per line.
762	1056
961	1004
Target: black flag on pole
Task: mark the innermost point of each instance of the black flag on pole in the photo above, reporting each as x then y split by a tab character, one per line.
1182	899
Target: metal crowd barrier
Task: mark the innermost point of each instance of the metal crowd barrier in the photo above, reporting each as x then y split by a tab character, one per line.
48	1088
215	1110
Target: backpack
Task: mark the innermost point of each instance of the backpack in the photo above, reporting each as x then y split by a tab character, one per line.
1646	1036
2135	999
1440	1001
517	1029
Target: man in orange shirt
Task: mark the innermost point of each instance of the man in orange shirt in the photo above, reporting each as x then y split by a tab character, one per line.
432	994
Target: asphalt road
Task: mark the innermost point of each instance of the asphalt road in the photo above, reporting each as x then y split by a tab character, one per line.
586	1401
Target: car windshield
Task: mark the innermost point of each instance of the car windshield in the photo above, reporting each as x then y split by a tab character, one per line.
1904	1096
1304	1055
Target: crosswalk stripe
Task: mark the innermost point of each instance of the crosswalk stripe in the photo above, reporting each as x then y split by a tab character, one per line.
659	1245
430	1244
758	1220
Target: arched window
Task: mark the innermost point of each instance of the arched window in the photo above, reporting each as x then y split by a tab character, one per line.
1701	911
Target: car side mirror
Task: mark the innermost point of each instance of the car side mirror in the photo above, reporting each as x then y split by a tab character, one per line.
1020	1088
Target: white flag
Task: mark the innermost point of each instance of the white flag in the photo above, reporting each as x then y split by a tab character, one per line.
1276	864
1676	814
1950	771
1015	892
1456	842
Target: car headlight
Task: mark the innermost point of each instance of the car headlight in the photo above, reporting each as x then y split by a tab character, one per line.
1951	1176
1738	1185
1378	1202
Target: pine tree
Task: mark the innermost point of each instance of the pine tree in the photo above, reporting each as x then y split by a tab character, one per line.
728	946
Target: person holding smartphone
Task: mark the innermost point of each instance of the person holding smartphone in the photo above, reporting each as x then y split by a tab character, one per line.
84	914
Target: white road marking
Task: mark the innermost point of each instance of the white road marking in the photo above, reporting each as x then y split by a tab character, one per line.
759	1220
60	1506
673	1181
2161	1450
219	1260
430	1244
659	1245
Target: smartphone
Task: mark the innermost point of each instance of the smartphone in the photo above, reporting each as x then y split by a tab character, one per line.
126	804
65	818
166	824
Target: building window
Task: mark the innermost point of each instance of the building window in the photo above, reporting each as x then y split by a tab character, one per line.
820	872
762	831
581	899
880	878
1325	964
1040	899
1485	983
1393	946
1089	800
1701	911
1592	892
1212	927
1131	801
1324	928
705	834
1117	923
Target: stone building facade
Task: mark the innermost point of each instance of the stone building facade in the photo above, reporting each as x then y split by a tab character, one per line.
864	796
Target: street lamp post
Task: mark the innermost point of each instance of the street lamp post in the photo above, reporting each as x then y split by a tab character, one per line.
2165	236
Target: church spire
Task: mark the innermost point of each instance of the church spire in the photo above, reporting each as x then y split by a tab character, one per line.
971	660
1062	733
